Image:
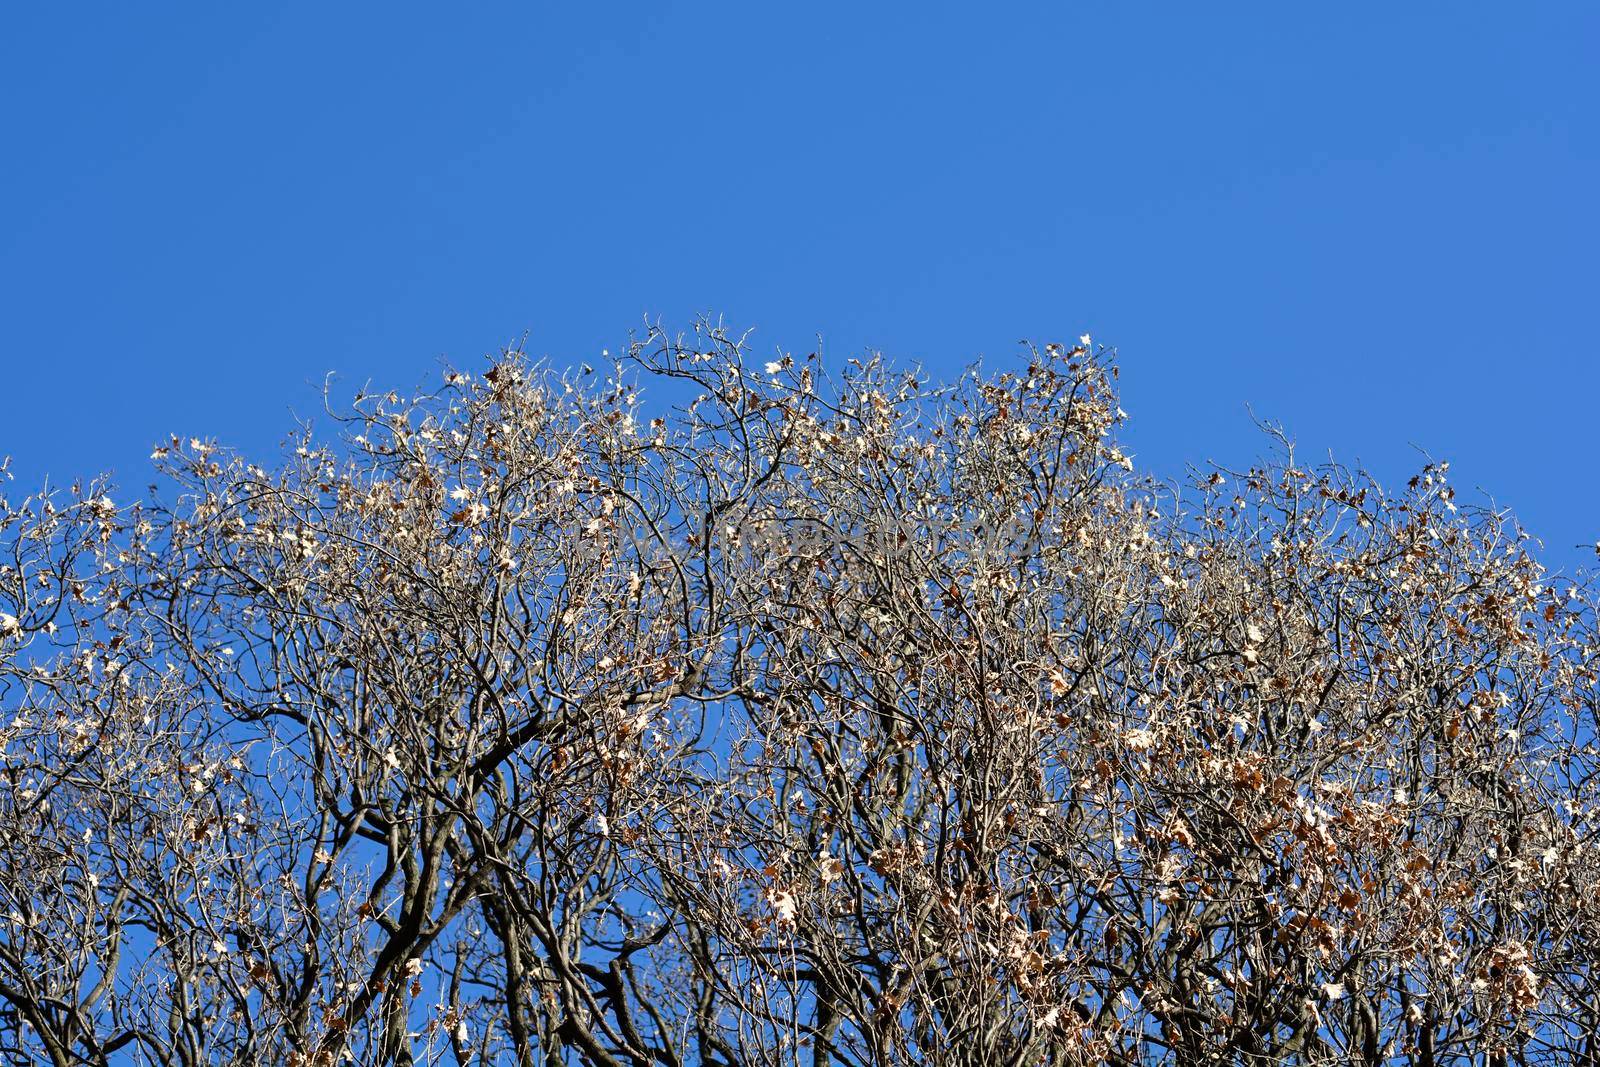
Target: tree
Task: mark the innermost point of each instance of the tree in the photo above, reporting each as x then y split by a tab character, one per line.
820	719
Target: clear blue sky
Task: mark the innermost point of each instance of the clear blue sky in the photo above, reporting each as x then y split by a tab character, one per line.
1375	223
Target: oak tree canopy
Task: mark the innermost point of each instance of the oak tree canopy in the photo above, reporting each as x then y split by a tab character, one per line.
711	711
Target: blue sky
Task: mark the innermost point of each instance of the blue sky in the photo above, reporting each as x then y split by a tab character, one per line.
1375	223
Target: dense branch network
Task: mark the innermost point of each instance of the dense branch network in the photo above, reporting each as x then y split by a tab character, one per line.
824	718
